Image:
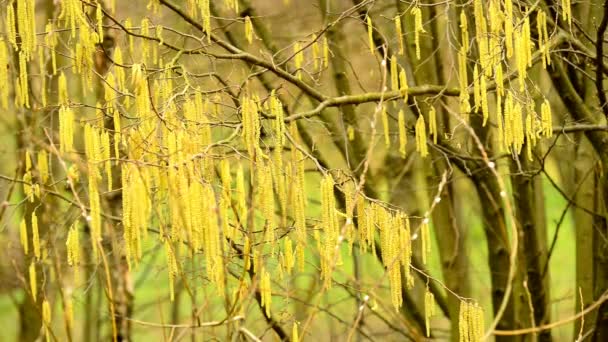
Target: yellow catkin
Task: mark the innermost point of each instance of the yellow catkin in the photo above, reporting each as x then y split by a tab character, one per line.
464	29
94	157
387	137
145	31
43	166
171	268
425	238
99	18
421	145
316	52
403	86
251	125
370	35
241	195
495	36
429	310
26	25
73	246
329	222
46	318
509	27
484	100
418	28
106	157
66	129
23	236
294	334
325	52
399	34
394	73
33	280
289	257
567	11
298	58
402	134
50	39
470	322
266	292
543	37
11	27
405	243
35	236
530	134
481	32
28	187
546	119
433	124
4	77
476	89
23	99
463	81
248	30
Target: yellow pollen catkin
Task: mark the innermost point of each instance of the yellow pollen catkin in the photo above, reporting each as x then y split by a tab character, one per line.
470	322
429	310
425	238
370	34
73	246
546	119
394	73
421	146
402	134
294	334
23	236
35	236
418	28
42	163
11	27
325	52
23	99
476	89
543	37
384	116
433	124
248	30
403	84
567	11
399	33
33	280
66	129
484	100
298	59
464	29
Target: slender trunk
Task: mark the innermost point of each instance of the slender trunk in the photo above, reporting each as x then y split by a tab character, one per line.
530	253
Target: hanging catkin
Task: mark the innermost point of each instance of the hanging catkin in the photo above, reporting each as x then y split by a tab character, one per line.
418	28
248	30
35	236
399	34
433	124
384	116
470	322
402	134
33	280
546	119
23	236
421	146
429	310
370	35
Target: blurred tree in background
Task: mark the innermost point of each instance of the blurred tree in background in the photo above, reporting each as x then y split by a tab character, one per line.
298	170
